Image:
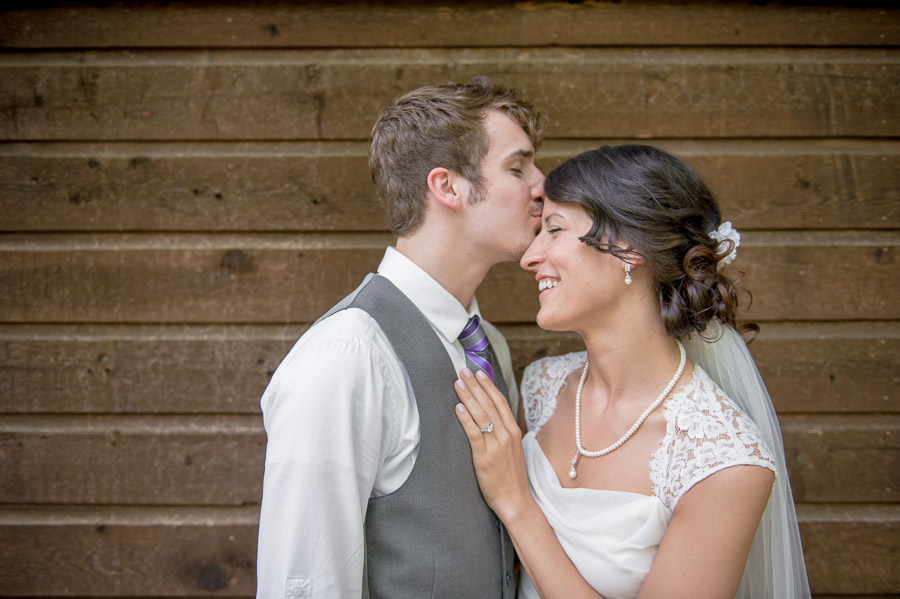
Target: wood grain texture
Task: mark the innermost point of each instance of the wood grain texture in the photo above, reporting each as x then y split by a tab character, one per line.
188	187
861	455
410	24
818	368
325	186
212	460
234	279
183	188
139	369
150	460
158	369
788	275
116	552
337	94
849	550
264	284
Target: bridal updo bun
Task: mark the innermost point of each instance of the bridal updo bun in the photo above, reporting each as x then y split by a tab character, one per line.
651	209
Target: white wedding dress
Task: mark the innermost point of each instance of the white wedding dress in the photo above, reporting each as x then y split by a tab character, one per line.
612	536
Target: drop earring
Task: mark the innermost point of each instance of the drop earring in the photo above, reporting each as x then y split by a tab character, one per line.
627	274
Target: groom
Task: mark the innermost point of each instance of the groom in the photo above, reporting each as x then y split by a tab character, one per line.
369	488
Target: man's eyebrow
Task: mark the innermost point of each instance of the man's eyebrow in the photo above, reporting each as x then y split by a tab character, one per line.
521	153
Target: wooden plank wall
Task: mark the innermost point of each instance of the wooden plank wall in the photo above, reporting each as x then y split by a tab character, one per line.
183	188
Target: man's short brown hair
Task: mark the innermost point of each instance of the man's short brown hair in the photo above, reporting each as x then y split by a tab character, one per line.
437	126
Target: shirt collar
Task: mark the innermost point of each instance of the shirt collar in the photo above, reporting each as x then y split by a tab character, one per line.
440	308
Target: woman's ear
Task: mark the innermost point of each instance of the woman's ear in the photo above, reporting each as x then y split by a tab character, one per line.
444	185
630	256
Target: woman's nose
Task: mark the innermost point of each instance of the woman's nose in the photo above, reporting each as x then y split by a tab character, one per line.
533	256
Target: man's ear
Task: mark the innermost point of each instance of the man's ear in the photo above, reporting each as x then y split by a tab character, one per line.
446	187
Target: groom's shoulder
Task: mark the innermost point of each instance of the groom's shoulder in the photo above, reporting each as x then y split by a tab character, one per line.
339	335
349	324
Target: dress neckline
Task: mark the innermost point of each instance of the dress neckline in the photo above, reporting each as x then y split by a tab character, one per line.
665	406
546	463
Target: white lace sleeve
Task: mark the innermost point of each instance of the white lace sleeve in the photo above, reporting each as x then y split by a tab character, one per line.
542	383
705	433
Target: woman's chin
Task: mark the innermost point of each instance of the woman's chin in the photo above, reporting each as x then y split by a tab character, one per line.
548	323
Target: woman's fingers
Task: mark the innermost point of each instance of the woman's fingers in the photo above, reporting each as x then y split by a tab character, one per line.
492	400
502	411
483	410
469	413
496	453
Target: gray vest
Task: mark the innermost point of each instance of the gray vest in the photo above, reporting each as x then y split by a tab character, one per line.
434	536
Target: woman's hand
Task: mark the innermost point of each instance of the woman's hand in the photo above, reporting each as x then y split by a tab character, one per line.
500	466
498	455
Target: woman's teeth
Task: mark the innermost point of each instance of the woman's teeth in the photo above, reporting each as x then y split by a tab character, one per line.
547	284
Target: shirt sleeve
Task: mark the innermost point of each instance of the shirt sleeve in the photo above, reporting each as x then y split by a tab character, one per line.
326	420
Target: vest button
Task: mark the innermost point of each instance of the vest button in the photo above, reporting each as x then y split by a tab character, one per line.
508	578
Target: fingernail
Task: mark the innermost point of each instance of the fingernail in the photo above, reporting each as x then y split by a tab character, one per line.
467	373
460	385
480	374
460	408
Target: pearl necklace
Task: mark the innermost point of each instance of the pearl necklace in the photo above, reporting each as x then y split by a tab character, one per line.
593	454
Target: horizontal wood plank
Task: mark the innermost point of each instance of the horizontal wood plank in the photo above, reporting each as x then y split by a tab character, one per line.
139	369
813	368
331	95
354	24
849	550
193	460
834	184
294	279
809	372
861	455
291	283
790	275
137	460
161	554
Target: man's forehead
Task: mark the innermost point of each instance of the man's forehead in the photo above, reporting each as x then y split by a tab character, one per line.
507	138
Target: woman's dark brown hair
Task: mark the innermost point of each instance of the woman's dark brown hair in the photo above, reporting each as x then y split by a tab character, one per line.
647	204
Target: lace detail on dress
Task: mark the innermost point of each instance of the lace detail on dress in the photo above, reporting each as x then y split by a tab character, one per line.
705	432
542	383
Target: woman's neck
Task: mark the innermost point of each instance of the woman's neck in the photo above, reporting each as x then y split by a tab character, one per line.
629	361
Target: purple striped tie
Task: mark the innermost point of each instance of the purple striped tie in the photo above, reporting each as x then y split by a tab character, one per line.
478	349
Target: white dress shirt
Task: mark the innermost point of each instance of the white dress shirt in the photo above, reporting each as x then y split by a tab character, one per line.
342	427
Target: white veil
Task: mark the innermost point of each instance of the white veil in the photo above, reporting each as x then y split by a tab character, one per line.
775	567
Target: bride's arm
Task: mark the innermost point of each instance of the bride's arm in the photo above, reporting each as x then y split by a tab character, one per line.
500	466
705	548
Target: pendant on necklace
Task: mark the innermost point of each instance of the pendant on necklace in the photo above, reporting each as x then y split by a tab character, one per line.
572	473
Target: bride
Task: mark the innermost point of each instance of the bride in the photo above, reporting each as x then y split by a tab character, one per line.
653	464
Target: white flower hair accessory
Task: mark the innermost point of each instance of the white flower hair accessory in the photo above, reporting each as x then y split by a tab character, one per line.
724	233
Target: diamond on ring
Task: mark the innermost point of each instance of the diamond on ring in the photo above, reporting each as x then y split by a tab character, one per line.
488	428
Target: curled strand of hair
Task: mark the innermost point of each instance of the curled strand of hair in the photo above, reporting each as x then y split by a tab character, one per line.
713	289
624	254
